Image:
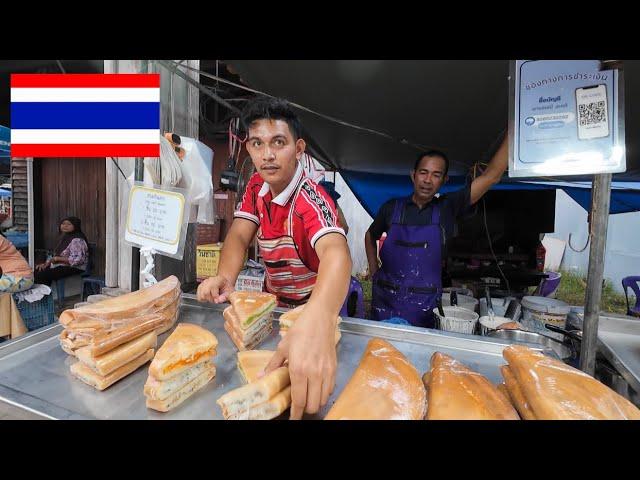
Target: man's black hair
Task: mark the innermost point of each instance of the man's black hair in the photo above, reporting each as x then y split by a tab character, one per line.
274	109
433	153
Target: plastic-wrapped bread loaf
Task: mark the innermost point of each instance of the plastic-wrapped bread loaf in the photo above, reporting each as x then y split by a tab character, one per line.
385	386
557	391
514	392
458	393
141	302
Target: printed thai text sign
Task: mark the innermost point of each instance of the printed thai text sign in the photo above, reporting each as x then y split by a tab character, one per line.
154	218
565	119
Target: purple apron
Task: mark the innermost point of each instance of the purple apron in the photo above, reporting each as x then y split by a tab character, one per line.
410	280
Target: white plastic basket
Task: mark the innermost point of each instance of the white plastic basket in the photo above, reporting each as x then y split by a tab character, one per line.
457	319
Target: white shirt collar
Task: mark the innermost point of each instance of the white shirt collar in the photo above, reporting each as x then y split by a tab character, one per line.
285	195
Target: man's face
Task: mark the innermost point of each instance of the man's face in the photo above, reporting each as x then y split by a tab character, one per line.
428	177
274	151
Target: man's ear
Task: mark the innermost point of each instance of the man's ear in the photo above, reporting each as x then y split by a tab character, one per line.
301	145
412	174
446	179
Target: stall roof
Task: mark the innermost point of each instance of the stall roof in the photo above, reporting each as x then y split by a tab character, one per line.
373	189
458	106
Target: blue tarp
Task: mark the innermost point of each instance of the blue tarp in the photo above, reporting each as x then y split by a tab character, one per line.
372	190
4	193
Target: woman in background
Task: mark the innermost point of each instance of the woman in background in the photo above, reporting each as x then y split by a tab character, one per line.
70	256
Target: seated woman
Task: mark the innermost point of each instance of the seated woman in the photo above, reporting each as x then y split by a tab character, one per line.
70	256
15	272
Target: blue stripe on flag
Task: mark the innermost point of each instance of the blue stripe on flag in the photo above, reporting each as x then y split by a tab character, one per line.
85	115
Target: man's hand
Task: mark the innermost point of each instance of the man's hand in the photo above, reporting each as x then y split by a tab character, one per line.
310	349
215	289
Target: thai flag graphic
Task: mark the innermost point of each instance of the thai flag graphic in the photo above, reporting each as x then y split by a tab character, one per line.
85	115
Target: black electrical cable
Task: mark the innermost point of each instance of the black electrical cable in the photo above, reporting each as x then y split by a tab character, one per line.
114	161
486	227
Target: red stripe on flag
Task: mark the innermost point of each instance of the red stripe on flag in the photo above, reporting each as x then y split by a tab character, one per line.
81	80
82	150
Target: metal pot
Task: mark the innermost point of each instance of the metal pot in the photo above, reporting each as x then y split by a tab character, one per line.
520	336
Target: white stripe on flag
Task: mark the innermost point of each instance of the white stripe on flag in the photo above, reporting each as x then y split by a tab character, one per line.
85	94
47	137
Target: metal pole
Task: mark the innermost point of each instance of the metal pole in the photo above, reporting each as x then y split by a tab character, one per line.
599	221
135	251
30	220
138	177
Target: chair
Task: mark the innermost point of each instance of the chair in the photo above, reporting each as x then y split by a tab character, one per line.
549	285
87	278
354	303
634	284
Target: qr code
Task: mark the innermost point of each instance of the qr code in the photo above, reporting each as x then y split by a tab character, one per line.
591	113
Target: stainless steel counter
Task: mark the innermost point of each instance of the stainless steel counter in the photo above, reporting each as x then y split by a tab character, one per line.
34	371
618	342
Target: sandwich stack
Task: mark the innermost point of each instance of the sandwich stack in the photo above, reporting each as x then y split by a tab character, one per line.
113	338
182	366
248	320
288	319
110	323
262	399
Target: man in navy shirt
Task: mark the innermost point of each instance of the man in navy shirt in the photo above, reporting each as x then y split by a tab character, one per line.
409	281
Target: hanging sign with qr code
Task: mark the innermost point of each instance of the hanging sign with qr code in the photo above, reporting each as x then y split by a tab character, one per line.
566	117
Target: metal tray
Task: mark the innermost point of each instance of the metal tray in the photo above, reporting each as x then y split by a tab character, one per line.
34	371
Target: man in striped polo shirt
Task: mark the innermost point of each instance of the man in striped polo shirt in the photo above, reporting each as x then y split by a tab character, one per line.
303	246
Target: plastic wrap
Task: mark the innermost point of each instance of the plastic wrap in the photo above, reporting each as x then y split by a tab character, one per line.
140	302
557	391
458	393
514	393
197	177
105	325
385	386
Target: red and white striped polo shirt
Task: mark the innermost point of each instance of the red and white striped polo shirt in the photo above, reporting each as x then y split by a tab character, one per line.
313	216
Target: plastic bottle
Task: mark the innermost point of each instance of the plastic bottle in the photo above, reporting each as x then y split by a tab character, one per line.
541	252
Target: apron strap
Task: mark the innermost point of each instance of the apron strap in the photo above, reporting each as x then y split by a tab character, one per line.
397	211
435	214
